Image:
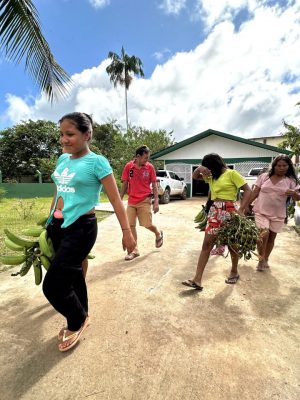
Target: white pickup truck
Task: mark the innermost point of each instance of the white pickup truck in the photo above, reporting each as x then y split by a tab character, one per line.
169	184
252	175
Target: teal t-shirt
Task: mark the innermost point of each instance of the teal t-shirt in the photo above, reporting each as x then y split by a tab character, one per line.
78	183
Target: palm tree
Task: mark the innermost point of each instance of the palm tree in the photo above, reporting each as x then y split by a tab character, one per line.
120	70
21	37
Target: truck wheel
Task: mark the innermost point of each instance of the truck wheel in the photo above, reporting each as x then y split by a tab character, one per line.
165	197
184	194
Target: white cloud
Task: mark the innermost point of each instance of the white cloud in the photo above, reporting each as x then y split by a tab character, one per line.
99	3
17	109
240	82
172	6
160	55
214	11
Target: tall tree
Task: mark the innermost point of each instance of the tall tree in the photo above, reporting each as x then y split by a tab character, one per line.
21	38
291	140
120	71
24	146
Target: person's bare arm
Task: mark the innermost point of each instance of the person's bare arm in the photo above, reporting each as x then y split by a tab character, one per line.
123	189
53	200
155	194
201	172
113	195
248	197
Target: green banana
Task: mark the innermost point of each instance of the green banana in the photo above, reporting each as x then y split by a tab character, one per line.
45	246
45	262
202	225
50	245
90	256
26	266
201	216
33	231
12	246
13	260
18	240
42	221
38	274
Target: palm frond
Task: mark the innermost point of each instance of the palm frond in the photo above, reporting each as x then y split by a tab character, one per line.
21	37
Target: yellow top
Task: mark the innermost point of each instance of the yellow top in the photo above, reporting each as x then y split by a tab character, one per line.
226	186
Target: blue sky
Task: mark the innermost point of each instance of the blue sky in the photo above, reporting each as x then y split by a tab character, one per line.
230	65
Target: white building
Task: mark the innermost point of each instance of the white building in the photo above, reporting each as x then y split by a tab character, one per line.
238	153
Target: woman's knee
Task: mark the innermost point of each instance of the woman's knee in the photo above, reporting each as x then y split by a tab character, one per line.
208	243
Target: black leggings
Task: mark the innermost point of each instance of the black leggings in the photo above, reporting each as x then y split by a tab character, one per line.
64	284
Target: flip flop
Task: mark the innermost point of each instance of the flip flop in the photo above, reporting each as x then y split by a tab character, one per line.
232	279
76	335
262	266
192	284
61	332
131	256
159	242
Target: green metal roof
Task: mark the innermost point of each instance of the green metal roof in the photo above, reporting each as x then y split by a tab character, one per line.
210	132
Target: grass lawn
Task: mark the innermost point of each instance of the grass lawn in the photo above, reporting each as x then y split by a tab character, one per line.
18	214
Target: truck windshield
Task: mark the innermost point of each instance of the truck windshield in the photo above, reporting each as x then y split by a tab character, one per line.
255	171
161	174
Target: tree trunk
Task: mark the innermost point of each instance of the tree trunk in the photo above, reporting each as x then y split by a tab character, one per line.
126	108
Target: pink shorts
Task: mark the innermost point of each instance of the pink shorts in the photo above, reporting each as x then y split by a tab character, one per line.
272	223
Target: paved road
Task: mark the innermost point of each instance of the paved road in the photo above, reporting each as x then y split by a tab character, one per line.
153	339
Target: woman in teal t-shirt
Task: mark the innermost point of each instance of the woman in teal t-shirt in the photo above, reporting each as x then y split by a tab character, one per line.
224	184
72	225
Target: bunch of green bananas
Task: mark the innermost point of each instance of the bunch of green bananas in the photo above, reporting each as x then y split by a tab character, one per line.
240	234
201	219
37	251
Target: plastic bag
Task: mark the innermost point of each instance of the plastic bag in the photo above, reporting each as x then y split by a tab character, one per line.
297	215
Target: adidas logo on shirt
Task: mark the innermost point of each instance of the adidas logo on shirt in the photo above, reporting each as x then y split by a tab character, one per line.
64	179
65	189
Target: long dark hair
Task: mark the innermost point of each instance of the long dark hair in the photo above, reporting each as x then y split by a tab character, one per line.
291	170
214	163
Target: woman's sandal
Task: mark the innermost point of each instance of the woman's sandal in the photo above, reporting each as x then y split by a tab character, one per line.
131	256
262	266
61	332
76	335
159	242
192	284
231	280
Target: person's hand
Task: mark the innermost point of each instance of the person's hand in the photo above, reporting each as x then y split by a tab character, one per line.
204	171
155	206
128	241
241	212
291	192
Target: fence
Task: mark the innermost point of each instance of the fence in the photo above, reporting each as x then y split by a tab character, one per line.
27	190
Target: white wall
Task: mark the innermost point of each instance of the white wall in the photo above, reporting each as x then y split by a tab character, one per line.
226	148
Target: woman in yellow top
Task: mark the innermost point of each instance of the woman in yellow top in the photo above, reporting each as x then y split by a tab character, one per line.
224	184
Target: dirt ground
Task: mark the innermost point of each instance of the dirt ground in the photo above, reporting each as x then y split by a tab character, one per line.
153	339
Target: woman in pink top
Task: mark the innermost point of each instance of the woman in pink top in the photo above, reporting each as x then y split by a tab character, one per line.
271	191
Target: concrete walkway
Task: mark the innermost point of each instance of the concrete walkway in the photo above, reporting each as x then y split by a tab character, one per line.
107	206
153	339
